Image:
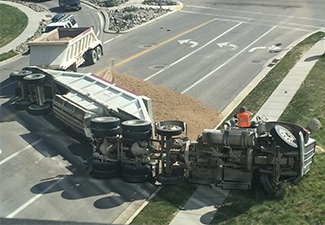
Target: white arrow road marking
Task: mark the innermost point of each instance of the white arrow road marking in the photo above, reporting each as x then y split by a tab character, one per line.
233	47
193	43
256	48
274	48
222	44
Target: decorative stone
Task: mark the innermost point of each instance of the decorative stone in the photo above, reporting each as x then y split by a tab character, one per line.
314	124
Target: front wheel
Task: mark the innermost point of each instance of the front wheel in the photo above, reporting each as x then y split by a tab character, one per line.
284	138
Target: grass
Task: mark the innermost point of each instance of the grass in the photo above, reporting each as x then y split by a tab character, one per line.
12	24
168	201
292	204
301	204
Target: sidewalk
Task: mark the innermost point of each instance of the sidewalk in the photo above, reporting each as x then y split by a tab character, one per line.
34	18
204	203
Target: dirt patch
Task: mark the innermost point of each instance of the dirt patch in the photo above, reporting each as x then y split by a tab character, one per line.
319	149
168	104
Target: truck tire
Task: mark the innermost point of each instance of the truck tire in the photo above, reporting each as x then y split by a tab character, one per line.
136	125
92	56
99	174
169	180
284	138
19	75
267	183
34	109
135	178
36	78
104	122
106	131
169	130
105	166
99	52
131	169
141	135
135	174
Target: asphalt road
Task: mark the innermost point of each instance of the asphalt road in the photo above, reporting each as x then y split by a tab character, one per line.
208	50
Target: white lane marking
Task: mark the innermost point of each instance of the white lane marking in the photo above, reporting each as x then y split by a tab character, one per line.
112	39
27	147
30	201
225	63
257	13
256	21
198	49
0	151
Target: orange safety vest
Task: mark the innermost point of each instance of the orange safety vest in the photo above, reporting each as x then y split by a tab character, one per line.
244	119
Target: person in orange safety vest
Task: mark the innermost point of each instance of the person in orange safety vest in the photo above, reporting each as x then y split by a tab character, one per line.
244	117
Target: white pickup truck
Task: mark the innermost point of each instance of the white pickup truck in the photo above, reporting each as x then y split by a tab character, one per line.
65	49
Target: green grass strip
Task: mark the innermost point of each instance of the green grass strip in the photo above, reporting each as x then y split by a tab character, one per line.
13	23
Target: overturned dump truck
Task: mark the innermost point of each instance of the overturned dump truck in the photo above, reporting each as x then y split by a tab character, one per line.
127	143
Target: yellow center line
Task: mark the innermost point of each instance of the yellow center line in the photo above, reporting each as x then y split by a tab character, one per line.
162	43
11	116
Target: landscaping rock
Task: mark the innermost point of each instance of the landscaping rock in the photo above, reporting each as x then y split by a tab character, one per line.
314	124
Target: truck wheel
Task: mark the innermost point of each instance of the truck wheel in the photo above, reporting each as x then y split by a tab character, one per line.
135	174
19	75
99	174
92	56
38	110
105	166
104	122
284	138
37	78
22	105
169	180
169	130
106	131
135	178
99	52
131	169
141	135
136	125
267	183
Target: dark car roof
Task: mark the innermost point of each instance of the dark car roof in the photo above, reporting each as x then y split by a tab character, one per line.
57	17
